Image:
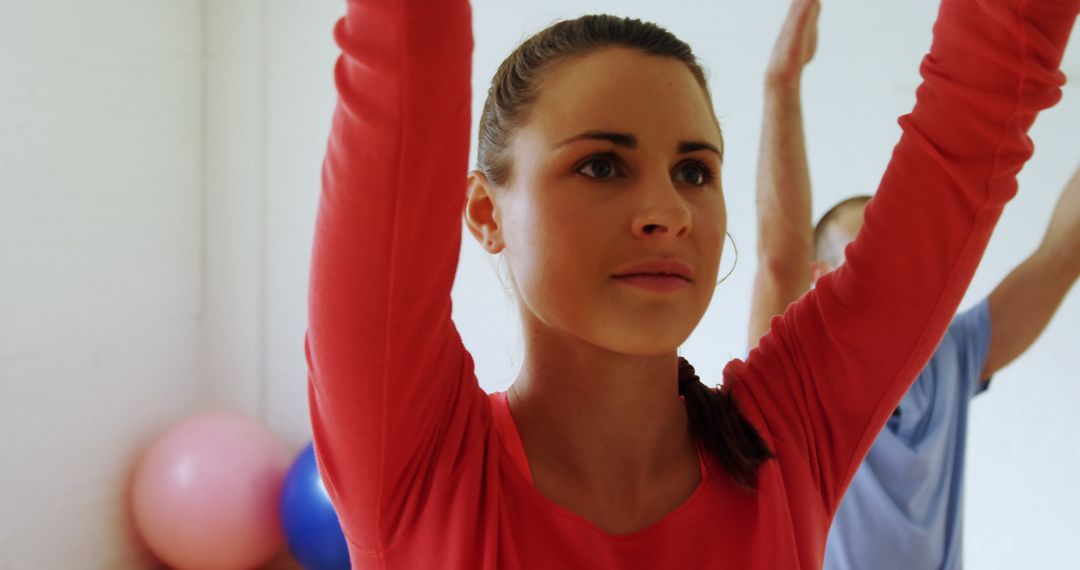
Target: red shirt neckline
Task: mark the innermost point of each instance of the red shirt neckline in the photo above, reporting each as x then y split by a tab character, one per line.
511	441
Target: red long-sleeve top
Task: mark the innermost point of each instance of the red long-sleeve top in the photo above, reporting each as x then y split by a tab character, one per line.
427	471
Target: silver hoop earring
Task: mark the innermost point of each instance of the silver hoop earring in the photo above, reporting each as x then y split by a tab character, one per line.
733	265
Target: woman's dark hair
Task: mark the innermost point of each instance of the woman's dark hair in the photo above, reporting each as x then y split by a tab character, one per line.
719	426
517	83
715	420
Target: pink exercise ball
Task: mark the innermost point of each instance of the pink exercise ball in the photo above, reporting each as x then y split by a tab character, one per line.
205	494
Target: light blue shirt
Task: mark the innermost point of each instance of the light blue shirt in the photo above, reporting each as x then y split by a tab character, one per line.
904	508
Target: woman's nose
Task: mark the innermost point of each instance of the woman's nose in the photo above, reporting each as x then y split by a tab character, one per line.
662	213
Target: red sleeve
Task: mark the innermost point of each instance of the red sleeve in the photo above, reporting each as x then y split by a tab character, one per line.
394	403
823	383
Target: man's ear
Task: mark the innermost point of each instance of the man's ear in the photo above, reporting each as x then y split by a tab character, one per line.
817	270
482	213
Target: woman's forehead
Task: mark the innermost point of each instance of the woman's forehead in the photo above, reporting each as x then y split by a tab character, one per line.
654	99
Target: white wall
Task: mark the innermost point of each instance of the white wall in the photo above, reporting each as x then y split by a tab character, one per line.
100	244
231	340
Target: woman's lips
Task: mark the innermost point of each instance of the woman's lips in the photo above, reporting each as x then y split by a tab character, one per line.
663	275
654	282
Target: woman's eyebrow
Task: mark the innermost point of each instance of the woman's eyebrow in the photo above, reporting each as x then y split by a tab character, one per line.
618	139
628	140
691	146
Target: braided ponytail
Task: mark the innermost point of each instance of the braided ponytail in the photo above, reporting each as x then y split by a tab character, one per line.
717	424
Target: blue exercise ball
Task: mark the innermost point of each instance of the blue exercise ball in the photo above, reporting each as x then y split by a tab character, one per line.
311	524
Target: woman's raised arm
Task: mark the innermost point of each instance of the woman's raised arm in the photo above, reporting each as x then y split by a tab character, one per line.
395	406
835	365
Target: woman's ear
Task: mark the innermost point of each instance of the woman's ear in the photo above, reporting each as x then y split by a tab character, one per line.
482	213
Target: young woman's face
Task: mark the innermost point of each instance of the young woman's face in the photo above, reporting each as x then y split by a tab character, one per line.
613	220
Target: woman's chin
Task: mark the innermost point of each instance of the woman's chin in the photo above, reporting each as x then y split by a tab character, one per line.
651	339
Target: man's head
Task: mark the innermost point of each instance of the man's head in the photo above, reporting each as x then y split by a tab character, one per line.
836	229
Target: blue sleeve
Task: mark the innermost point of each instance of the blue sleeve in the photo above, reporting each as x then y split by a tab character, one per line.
969	334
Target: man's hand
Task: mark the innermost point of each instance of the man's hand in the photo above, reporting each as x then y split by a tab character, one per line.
796	45
1024	302
785	230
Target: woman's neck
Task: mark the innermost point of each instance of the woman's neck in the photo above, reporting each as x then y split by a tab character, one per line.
603	425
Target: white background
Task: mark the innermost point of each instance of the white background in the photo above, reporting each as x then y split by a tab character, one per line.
159	170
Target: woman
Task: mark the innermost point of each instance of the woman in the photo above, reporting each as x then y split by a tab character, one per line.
598	180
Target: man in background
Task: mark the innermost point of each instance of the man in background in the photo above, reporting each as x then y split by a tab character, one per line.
904	508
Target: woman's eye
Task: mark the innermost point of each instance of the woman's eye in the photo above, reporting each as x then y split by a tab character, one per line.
598	168
694	174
